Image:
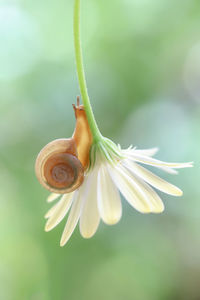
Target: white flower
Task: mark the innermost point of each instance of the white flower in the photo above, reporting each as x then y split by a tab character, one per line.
112	171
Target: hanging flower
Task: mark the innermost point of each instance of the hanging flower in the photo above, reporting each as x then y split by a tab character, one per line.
112	171
87	172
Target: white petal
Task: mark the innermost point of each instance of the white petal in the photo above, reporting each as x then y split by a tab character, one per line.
152	179
59	212
53	209
73	218
156	163
168	170
89	220
129	188
146	152
109	202
154	200
52	197
152	152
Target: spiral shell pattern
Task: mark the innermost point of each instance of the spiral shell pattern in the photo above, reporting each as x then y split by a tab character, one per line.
57	167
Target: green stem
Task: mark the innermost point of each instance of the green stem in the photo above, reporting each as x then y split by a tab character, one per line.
81	74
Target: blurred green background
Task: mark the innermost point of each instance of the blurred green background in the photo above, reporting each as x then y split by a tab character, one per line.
142	62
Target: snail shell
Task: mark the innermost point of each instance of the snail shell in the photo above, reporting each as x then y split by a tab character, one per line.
60	164
57	167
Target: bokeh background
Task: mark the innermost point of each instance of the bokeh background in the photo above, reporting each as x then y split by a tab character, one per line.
142	61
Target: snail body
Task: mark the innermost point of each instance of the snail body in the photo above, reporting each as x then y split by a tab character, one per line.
60	165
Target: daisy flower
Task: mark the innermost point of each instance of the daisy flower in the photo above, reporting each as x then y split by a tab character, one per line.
112	171
92	171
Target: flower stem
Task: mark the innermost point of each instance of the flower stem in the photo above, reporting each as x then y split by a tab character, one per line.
81	75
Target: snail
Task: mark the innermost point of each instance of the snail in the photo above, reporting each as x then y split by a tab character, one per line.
61	164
